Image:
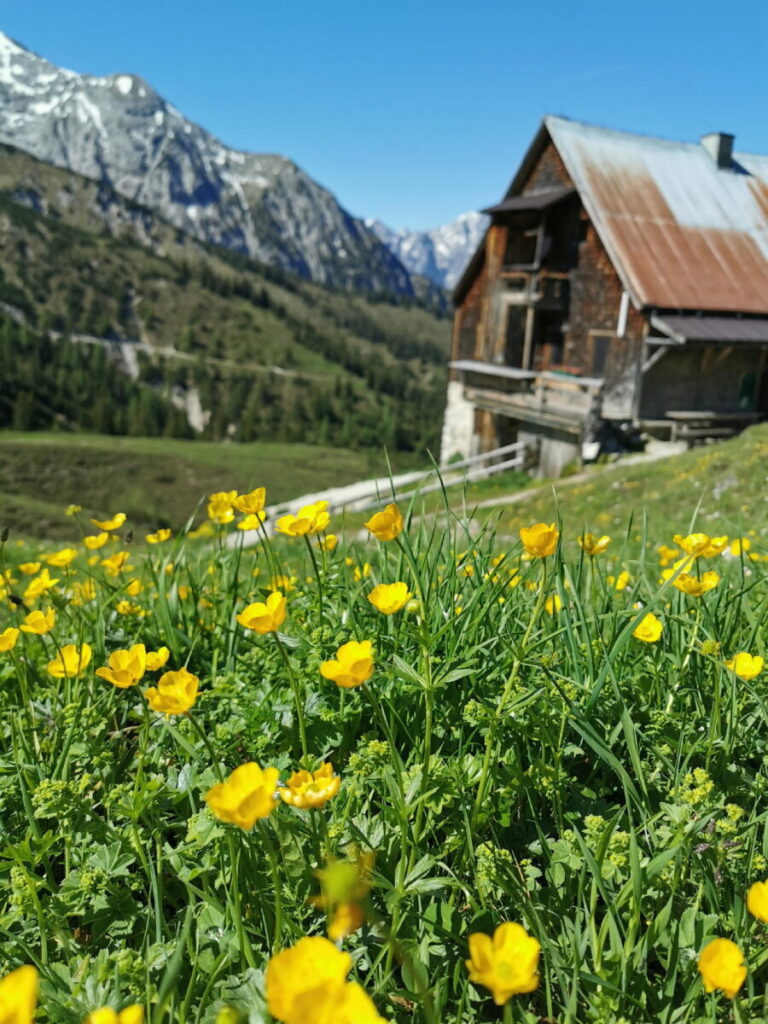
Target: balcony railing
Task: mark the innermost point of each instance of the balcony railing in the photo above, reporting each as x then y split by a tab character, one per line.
564	401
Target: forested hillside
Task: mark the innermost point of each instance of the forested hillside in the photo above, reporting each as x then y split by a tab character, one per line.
111	320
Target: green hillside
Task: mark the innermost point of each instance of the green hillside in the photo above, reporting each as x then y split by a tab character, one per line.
723	484
155	481
267	356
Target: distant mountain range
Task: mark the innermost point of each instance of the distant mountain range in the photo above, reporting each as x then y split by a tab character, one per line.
117	129
440	254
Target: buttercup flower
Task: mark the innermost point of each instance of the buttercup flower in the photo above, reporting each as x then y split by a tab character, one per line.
157	659
721	965
96	541
352	666
507	964
125	667
174	694
283	583
716	546
347	918
328	543
539	540
116	563
158	536
389	598
695	586
114	523
30	568
39	622
248	794
71	662
553	604
220	507
314	790
61	559
335	1003
694	544
309	519
252	521
106	1015
620	582
344	886
251	504
264	616
8	639
72	510
311	965
757	901
387	524
648	629
18	996
745	666
38	586
592	545
739	545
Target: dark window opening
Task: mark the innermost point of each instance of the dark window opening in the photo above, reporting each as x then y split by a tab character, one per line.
515	336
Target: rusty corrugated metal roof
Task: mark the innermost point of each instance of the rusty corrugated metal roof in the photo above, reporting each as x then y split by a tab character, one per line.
682	232
720	329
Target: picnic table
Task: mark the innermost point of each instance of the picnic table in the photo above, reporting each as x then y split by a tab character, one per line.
696	424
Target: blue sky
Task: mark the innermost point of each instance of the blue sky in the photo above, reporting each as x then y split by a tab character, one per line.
411	111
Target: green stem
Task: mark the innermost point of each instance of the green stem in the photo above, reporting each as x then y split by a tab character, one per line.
490	739
297	697
274	868
318	577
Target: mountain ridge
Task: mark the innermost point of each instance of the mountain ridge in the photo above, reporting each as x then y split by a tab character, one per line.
442	253
118	129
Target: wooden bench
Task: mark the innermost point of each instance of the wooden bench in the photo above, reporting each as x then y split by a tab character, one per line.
698	425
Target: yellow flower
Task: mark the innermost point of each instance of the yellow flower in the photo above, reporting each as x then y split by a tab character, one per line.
82	592
620	582
98	540
60	559
134	588
539	540
694	544
252	521
553	604
362	572
744	665
114	523
157	659
739	545
507	964
716	546
328	543
106	1015
125	667
283	583
8	639
757	901
335	1003
220	507
347	918
721	965
311	965
648	629
667	554
387	524
71	662
264	616
18	996
352	666
592	545
314	790
38	586
344	885
126	607
695	586
30	568
248	794
253	503
72	510
39	622
389	598
174	694
158	536
184	591
116	563
309	519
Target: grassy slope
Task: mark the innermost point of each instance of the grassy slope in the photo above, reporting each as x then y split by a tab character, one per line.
727	479
155	481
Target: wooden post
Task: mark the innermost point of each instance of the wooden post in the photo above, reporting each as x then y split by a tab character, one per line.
528	338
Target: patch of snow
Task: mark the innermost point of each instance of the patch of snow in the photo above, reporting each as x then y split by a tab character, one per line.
124	84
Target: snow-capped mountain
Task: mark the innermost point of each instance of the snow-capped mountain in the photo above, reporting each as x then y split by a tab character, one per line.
440	254
117	129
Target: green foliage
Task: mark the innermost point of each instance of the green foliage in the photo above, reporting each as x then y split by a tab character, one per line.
504	763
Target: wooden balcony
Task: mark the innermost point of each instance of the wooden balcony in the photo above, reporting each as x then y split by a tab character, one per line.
561	401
